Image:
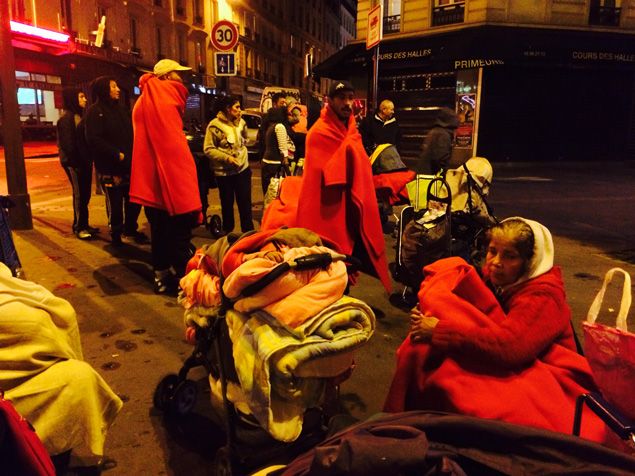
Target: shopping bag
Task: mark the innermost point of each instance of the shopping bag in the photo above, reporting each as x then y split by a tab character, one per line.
611	350
21	451
273	190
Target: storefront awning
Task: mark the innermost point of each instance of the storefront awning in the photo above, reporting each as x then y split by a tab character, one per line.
487	46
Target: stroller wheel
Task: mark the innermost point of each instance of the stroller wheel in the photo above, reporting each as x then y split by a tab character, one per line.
214	226
184	397
165	391
222	462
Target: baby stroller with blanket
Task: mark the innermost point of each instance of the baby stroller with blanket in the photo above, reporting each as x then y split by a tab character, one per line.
448	216
276	334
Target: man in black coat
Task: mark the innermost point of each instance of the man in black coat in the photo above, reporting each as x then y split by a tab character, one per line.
381	128
109	138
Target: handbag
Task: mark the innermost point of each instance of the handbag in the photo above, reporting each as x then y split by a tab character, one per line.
273	189
610	350
21	451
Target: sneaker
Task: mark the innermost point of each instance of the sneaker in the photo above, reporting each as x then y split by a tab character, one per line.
166	285
138	237
83	235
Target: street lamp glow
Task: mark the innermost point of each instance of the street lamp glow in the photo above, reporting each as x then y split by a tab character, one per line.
224	10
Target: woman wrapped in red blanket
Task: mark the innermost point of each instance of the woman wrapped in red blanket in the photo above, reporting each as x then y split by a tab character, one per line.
501	347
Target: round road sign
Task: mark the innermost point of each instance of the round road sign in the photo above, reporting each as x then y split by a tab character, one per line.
224	35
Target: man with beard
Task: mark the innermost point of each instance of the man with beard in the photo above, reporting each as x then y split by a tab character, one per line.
337	199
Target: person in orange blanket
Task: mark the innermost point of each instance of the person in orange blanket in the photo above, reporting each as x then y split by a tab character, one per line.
499	347
164	176
337	199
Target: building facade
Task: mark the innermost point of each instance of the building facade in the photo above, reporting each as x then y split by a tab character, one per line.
279	41
531	81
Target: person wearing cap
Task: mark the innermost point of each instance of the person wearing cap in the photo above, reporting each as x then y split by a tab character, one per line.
109	138
164	178
337	199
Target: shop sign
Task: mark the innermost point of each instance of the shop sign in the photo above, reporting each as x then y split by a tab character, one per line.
405	54
603	56
476	63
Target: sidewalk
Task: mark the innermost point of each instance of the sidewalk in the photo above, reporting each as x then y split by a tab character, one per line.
36	150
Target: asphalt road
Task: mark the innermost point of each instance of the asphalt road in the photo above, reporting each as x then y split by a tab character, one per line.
134	337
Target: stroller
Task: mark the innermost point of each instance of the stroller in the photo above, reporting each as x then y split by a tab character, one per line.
237	337
448	216
390	176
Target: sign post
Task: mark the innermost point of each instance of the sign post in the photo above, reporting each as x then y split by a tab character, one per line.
375	32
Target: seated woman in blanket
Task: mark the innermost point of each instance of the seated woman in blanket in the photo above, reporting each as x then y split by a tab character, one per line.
500	346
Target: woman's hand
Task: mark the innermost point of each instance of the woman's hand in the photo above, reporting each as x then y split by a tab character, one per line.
421	326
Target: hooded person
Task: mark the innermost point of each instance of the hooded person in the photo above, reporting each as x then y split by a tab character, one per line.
500	346
75	159
164	178
109	139
436	150
337	199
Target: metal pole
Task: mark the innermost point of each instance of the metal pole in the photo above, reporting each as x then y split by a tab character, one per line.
375	78
20	215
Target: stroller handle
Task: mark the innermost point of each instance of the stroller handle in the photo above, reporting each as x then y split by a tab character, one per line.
314	261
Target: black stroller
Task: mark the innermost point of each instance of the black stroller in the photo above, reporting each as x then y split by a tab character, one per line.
448	216
248	446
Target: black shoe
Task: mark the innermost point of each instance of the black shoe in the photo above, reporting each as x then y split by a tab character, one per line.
116	240
92	230
167	285
138	237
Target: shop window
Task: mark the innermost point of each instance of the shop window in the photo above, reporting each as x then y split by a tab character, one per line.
392	16
446	12
605	12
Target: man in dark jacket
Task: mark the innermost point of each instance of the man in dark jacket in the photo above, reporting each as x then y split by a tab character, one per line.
436	150
75	159
382	128
109	137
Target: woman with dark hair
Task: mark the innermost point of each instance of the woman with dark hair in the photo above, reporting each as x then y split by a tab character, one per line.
279	148
75	160
499	346
109	137
225	145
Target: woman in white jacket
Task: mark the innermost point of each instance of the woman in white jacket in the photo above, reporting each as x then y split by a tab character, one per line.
225	146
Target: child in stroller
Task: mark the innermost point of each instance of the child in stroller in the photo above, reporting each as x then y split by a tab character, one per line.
272	306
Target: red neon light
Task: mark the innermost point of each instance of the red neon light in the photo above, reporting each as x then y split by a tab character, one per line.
39	32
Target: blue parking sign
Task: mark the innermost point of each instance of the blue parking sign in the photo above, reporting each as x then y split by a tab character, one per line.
225	64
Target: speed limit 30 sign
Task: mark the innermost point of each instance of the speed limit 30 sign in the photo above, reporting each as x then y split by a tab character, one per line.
224	35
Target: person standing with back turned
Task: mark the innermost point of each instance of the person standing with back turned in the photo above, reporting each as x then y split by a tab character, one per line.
164	178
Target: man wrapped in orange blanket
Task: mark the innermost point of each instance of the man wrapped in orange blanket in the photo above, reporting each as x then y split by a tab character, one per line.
515	360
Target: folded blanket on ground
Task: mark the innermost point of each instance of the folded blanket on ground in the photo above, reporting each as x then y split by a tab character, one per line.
268	356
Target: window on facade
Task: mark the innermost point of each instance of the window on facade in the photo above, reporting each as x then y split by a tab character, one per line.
18	11
446	12
392	16
160	44
179	7
605	12
134	35
198	11
181	46
199	56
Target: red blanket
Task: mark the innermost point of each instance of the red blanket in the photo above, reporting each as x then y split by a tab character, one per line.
283	210
163	169
490	364
337	199
392	186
